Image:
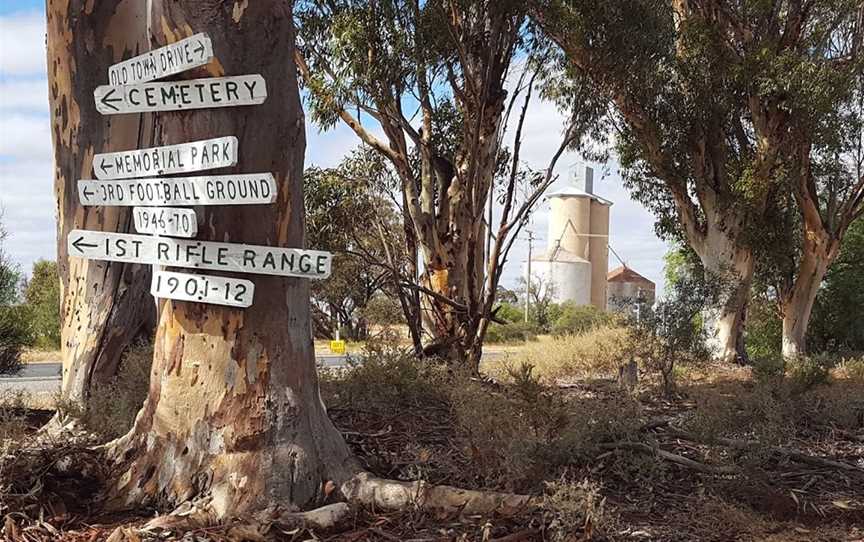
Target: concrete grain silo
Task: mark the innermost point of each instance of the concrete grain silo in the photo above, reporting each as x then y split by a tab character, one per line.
577	258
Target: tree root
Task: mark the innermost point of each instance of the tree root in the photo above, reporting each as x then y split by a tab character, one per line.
669	456
367	490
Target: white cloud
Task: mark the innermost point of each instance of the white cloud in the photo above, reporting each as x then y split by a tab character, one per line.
22	44
25	137
28	208
24	95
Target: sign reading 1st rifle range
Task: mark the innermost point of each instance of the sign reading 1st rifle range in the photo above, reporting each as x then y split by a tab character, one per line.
138	178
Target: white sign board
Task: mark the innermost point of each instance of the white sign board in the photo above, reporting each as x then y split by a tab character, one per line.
181	95
174	58
165	221
262	260
187	157
202	288
241	189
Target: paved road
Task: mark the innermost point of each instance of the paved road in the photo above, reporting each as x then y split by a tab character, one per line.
45	376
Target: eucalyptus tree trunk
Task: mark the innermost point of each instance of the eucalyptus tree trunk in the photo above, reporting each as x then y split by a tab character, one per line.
233	416
728	262
105	305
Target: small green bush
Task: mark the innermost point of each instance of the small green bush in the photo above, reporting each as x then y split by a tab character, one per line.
574	319
852	368
42	295
808	372
16	334
516	332
574	508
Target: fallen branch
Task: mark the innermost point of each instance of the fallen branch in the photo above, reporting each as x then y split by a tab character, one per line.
797	455
367	490
669	456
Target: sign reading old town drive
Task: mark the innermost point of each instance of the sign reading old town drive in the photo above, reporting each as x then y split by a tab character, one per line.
174	58
239	189
179	95
262	260
165	221
202	288
183	158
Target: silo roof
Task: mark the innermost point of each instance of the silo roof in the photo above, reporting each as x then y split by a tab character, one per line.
625	274
573	192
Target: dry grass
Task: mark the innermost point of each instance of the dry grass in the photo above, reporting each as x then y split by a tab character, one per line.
596	353
34	355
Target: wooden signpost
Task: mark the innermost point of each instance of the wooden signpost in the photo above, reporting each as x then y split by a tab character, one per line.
184	158
174	58
181	95
237	189
202	288
169	221
257	259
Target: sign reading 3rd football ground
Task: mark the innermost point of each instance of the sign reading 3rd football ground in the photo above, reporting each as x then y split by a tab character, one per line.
165	221
180	95
184	158
202	288
262	260
237	189
174	58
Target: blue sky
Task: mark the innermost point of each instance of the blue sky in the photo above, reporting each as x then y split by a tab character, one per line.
26	184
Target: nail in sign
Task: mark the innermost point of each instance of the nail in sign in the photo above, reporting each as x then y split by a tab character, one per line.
170	221
174	58
181	95
202	288
183	158
240	189
209	255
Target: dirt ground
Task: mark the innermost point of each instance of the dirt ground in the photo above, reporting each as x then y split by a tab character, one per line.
691	470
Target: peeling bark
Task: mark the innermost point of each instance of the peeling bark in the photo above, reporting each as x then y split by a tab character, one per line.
105	305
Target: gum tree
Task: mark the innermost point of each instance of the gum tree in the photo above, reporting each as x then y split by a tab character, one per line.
694	93
105	305
425	85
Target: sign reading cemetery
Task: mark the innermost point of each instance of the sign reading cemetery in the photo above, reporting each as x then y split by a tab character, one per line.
262	260
202	288
174	58
181	95
239	189
165	221
187	157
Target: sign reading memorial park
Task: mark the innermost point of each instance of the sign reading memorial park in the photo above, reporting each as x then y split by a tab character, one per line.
238	189
181	95
184	158
209	255
202	288
174	58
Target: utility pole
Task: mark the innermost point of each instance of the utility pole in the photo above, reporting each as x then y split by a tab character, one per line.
528	274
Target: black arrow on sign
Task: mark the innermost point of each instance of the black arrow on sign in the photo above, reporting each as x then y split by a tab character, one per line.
104	169
78	244
106	102
200	48
87	193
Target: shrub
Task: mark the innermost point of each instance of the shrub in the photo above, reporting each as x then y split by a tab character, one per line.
516	332
16	334
110	410
574	319
42	294
572	508
852	368
596	353
807	372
